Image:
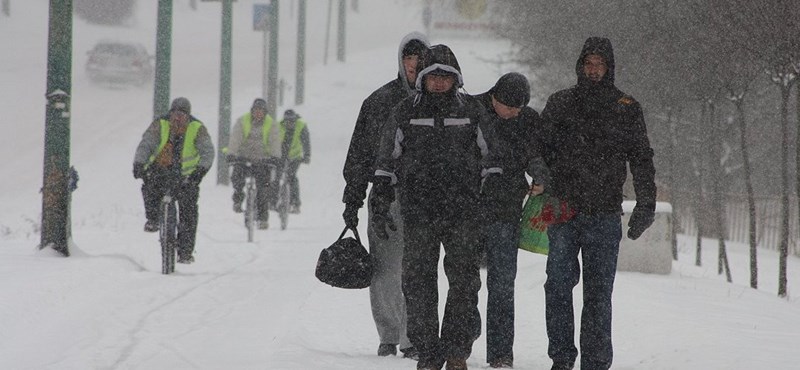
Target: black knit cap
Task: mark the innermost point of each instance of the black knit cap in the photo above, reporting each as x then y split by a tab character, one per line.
512	89
181	105
260	104
414	47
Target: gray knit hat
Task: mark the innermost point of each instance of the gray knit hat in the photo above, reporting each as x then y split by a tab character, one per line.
182	105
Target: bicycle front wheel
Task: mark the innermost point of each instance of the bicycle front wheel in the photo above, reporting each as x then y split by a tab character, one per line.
168	236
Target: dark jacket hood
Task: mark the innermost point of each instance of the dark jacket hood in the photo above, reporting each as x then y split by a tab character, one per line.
439	60
401	73
600	46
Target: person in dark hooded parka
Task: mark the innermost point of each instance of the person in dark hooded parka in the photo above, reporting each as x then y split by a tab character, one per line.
593	132
517	128
434	150
385	290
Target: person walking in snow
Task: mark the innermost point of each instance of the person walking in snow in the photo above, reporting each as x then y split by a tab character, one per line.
593	132
295	149
174	154
254	139
434	151
516	127
385	290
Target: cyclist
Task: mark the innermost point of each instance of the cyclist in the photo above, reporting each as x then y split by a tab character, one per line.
254	139
174	154
295	149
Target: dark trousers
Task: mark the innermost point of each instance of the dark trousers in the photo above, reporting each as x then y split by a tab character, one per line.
501	242
597	238
294	183
262	173
424	234
187	196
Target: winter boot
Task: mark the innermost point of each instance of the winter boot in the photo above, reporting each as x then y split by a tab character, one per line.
411	353
385	349
456	364
562	366
151	226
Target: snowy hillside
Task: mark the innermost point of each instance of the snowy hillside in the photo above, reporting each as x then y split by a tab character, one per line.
257	305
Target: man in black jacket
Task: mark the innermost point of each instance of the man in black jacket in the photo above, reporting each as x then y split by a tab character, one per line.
593	132
434	150
517	128
385	290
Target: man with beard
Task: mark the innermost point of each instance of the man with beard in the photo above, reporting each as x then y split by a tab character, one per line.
385	290
434	152
593	132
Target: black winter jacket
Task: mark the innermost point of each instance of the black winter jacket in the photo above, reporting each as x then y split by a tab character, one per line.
593	131
518	153
359	166
436	148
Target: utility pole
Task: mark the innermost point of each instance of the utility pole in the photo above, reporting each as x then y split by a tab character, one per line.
299	88
55	191
341	33
224	129
272	79
163	58
328	32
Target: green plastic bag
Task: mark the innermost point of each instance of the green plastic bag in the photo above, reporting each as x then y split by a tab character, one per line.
533	227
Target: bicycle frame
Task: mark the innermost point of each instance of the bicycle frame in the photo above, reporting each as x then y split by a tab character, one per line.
282	204
168	233
251	202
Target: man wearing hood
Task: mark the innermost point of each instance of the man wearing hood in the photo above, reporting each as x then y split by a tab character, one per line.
516	127
385	291
434	152
594	132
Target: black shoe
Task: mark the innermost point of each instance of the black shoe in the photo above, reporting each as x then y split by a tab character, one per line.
562	366
411	353
151	226
237	207
185	259
502	363
456	364
387	349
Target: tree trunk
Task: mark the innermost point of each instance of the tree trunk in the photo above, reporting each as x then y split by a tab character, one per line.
783	247
698	220
751	202
671	181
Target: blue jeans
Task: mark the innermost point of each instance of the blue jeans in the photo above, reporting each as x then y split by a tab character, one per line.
597	238
502	239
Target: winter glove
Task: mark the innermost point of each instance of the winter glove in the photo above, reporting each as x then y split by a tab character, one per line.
381	202
306	160
195	177
139	171
350	215
641	218
231	158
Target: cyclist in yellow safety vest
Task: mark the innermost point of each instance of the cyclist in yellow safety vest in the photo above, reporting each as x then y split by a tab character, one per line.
254	139
174	154
295	149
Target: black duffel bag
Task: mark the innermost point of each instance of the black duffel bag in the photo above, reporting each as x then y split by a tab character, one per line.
345	264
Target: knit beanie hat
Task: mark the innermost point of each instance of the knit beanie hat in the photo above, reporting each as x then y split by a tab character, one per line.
512	89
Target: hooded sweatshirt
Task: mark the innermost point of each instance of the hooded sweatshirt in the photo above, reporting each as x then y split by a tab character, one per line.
359	164
593	132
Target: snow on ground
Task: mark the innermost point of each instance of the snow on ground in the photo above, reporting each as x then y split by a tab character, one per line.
257	305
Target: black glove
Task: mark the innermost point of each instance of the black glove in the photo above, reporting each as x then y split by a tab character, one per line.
306	160
138	171
231	158
195	177
350	215
381	201
642	217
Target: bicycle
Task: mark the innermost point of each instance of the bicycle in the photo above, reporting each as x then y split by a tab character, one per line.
282	205
251	202
168	231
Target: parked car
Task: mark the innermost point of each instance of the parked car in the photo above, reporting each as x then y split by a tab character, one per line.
122	62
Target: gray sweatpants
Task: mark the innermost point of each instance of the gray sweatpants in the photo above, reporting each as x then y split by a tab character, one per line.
386	288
